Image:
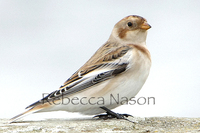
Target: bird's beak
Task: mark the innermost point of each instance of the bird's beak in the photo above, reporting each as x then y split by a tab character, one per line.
145	26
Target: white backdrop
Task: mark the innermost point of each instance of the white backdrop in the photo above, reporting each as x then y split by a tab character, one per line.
42	43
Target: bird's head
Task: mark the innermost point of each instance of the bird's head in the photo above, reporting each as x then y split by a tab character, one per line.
131	29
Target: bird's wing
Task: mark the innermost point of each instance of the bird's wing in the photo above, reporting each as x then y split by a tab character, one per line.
104	68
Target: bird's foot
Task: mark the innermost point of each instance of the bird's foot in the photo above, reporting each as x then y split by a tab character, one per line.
110	115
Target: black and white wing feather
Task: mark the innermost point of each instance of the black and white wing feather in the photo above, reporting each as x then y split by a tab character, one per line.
110	65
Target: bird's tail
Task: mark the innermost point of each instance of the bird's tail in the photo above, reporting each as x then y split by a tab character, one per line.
38	106
29	111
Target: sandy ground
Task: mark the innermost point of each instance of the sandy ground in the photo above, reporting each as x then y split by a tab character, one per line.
140	125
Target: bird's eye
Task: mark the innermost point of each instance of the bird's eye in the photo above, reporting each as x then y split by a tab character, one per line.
129	24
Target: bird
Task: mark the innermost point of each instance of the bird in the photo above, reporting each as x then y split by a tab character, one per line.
117	70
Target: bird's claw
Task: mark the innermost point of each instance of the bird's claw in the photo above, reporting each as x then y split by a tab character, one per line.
110	115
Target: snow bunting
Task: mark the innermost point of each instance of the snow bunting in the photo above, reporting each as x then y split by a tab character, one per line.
110	78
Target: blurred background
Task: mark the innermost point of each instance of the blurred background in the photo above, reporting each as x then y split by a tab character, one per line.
42	43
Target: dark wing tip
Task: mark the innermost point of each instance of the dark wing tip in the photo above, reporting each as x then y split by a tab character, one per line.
42	101
34	104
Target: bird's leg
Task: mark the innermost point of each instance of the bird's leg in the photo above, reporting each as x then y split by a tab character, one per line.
110	115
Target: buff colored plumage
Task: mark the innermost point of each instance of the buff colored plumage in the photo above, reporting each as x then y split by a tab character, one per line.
119	67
